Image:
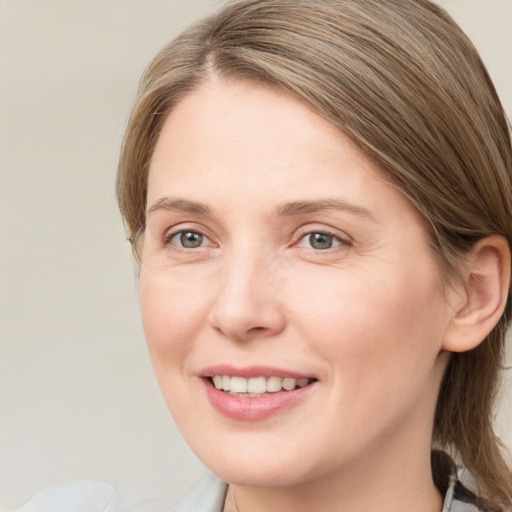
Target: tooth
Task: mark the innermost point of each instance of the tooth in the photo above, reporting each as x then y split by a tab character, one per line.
238	384
226	382
289	383
274	384
257	385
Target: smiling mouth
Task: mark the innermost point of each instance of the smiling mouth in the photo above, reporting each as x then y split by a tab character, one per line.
256	387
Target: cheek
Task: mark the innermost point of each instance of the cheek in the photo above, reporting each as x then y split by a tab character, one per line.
374	327
173	312
381	345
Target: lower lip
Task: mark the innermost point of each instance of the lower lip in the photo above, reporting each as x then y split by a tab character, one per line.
253	409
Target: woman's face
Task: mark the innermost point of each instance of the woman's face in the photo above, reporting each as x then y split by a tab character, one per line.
276	255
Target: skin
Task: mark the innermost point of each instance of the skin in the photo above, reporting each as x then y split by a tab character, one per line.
367	317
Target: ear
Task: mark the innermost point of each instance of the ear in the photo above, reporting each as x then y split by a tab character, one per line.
482	294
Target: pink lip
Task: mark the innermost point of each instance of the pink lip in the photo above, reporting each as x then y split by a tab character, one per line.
251	371
252	409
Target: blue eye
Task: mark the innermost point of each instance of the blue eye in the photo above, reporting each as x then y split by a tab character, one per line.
188	239
320	241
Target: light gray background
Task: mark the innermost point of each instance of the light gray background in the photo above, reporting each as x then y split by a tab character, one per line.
77	394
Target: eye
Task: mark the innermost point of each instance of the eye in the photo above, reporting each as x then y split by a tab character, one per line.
321	241
188	239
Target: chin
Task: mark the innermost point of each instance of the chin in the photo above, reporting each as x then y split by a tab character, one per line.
270	473
256	462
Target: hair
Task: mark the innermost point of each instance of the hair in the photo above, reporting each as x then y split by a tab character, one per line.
406	85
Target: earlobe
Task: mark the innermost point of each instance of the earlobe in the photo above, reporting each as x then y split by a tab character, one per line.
486	284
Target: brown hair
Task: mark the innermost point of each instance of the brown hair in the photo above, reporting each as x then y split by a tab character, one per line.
402	80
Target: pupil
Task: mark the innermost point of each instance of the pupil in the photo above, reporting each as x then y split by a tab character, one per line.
320	241
191	240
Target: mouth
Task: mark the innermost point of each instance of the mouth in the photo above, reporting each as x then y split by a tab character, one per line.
256	392
257	387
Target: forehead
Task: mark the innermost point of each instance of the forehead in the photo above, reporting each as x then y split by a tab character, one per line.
250	129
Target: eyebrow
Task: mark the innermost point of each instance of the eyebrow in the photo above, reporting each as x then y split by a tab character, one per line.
179	205
285	210
305	207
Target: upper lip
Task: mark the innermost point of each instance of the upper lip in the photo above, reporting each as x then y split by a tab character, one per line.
251	371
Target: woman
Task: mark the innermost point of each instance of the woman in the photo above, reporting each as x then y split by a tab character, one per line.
319	194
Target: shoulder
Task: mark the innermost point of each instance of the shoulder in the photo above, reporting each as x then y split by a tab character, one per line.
96	496
75	496
208	496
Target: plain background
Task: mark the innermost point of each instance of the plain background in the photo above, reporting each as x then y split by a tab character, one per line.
77	394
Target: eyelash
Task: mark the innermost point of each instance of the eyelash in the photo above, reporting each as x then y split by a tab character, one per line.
318	235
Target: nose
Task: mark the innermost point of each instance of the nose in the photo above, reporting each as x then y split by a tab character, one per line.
247	302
